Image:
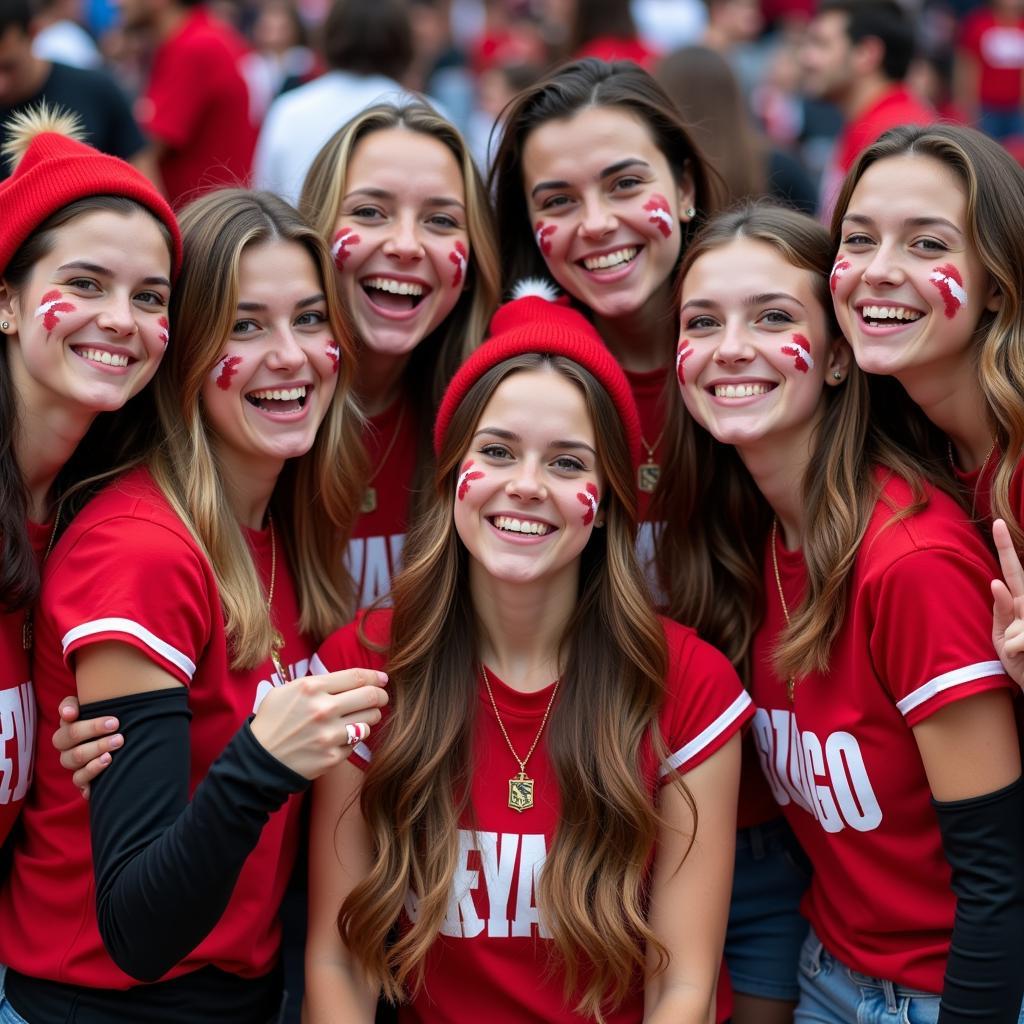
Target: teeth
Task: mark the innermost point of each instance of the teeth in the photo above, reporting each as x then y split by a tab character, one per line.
889	313
279	394
107	358
521	525
612	259
387	284
740	390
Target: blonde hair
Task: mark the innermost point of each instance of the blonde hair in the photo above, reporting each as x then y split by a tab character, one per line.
315	502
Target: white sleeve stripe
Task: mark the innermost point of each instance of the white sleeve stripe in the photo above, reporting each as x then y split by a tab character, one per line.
967	674
317	667
707	737
363	751
137	630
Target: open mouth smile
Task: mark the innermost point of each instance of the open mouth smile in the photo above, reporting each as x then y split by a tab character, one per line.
280	400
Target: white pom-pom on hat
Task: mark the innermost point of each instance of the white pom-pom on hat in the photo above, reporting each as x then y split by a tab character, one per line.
24	126
536	287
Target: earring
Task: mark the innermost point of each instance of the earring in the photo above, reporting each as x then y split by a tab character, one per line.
836	375
690	212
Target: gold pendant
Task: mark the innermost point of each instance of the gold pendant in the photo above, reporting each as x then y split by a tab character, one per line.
647	476
369	502
26	633
277	645
520	792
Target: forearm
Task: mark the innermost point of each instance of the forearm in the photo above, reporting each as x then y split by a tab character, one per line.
335	995
680	1004
166	865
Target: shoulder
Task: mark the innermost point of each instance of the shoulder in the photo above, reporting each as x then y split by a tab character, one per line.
356	645
688	653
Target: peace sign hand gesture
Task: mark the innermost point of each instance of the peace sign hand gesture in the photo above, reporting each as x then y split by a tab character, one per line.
1008	609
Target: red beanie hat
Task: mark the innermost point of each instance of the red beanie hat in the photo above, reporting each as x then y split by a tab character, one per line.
56	169
534	321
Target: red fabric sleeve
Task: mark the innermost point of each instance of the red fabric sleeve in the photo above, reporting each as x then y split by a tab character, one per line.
705	703
137	582
931	640
177	92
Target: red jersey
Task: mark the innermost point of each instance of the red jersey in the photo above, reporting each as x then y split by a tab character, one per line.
375	550
998	47
978	489
490	959
841	756
17	704
197	104
127	569
894	107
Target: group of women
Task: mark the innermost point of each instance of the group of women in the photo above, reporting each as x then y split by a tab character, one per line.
224	434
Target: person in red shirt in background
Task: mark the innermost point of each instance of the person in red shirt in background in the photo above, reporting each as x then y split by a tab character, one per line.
856	54
990	67
195	105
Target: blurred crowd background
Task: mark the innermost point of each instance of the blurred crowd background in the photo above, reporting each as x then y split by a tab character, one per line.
228	90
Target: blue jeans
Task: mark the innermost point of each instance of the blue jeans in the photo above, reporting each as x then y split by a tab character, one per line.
766	929
8	1015
832	993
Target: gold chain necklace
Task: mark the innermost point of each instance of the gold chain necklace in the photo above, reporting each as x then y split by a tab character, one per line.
648	474
369	502
981	472
27	627
520	788
277	641
791	682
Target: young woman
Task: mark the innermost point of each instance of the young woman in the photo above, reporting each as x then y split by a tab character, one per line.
885	725
181	599
558	776
597	183
396	193
929	232
83	320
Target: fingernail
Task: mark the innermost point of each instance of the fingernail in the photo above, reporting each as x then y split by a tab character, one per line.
356	733
383	677
104	759
110	723
115	741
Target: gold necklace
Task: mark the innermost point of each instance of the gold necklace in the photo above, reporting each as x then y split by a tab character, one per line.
27	628
369	502
981	472
520	788
791	682
648	474
277	641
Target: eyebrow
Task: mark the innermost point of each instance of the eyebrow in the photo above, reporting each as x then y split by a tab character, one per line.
508	435
751	300
914	222
631	161
260	307
95	268
380	193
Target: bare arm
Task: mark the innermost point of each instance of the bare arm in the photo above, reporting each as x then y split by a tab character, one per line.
696	890
339	858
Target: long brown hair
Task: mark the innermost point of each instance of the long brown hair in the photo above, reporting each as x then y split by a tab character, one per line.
315	501
994	186
712	557
440	354
613	661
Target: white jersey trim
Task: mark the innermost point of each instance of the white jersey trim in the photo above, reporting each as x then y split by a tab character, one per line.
708	736
363	751
967	674
317	667
137	630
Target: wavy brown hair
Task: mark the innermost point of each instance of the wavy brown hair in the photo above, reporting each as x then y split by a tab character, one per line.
994	186
440	354
613	660
712	557
315	502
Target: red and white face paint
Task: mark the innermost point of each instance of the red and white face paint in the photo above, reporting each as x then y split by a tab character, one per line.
660	214
951	287
591	498
839	268
334	354
800	350
466	475
542	233
50	308
344	241
460	258
225	370
165	330
683	353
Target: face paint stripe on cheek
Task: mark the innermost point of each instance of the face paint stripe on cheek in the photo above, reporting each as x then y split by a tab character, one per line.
228	368
841	266
49	306
542	233
950	284
801	352
465	476
460	258
343	242
334	354
591	499
660	214
165	330
684	353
